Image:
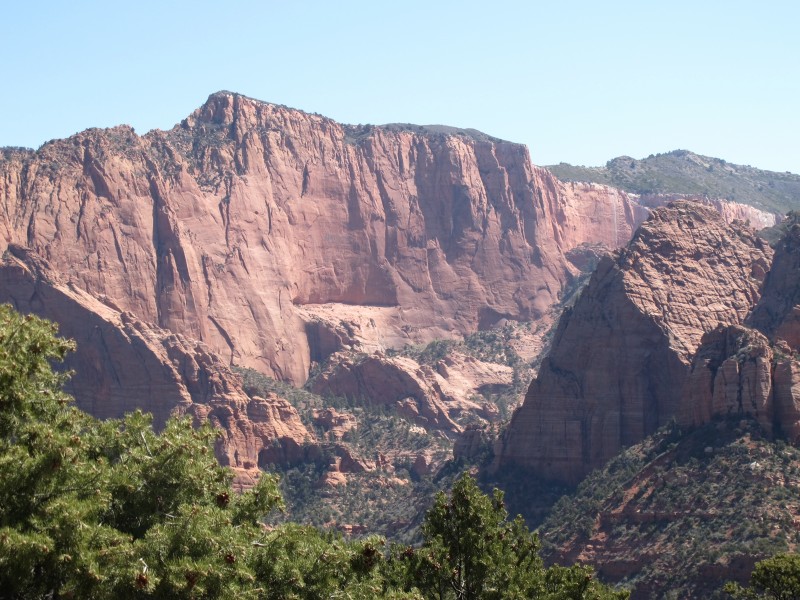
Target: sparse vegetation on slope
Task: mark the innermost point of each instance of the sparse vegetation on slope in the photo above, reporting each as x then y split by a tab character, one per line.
492	346
682	512
684	172
388	499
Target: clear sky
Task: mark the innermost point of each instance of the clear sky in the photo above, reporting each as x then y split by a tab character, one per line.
577	81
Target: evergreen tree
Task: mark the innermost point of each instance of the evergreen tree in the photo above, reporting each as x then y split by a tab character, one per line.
472	551
777	577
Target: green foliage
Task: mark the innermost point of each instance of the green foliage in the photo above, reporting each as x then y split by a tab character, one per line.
777	577
378	503
493	346
472	551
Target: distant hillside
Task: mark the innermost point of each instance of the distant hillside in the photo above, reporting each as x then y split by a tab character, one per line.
684	172
682	512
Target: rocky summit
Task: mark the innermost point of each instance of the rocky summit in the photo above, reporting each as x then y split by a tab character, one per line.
650	340
234	227
272	239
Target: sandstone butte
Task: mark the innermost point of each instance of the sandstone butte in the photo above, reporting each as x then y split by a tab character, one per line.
660	332
257	235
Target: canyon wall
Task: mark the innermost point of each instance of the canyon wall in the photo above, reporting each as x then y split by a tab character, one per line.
236	225
122	364
729	210
248	224
621	355
258	235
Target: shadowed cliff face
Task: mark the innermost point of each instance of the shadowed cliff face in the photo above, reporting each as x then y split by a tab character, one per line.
122	364
778	313
234	226
621	356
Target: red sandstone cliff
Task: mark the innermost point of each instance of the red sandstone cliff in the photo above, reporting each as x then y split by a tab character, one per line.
276	238
236	226
122	364
731	211
592	213
778	313
621	355
249	224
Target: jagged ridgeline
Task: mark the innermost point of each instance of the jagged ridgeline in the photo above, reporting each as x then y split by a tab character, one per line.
656	335
259	236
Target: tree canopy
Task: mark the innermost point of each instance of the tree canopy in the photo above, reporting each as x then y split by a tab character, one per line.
777	577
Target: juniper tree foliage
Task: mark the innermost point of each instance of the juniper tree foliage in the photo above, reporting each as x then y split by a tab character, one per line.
472	551
92	509
777	577
115	510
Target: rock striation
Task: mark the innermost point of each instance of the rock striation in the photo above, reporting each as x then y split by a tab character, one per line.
593	214
250	227
729	210
231	227
122	364
778	313
621	355
261	236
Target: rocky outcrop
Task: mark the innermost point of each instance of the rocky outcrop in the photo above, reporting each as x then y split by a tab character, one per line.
392	381
436	397
122	364
334	423
737	373
471	443
731	375
729	210
235	225
621	355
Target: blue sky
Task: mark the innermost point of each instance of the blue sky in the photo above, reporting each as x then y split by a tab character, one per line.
579	82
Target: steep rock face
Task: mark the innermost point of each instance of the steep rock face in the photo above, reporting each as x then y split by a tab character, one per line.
620	356
786	391
737	372
592	213
778	313
226	227
122	364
